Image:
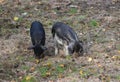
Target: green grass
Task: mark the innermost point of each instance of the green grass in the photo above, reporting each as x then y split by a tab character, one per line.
118	46
68	57
101	40
81	17
86	73
4	31
1	9
30	79
59	70
117	77
72	10
43	71
94	23
20	19
25	67
54	70
8	30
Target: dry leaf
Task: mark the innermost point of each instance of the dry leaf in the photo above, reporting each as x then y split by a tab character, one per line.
47	64
32	68
81	72
60	76
28	78
103	30
50	81
99	65
90	59
15	18
40	3
37	61
12	81
114	57
62	65
48	73
1	1
106	56
20	77
25	50
118	51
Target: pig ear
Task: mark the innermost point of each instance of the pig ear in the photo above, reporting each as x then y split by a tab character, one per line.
31	47
43	47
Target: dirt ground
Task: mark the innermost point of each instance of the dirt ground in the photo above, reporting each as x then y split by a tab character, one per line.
97	23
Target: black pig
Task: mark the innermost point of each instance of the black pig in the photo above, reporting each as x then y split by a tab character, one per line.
37	34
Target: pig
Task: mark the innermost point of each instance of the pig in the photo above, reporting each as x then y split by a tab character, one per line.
66	37
37	34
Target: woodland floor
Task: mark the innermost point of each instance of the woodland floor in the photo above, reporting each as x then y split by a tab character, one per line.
97	23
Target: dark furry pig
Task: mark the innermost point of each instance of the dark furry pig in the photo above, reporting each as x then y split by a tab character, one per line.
37	35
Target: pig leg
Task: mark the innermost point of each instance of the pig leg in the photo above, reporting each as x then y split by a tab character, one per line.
66	50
